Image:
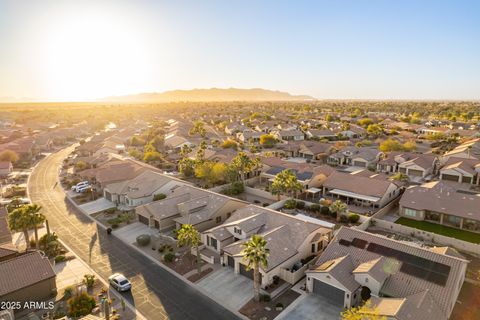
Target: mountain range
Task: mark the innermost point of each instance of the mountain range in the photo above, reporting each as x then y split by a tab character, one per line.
213	94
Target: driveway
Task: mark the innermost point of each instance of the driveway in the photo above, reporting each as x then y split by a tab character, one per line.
313	307
96	206
228	288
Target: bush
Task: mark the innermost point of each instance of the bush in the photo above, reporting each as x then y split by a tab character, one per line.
265	297
89	280
279	305
300	204
290	204
110	211
234	188
143	240
59	258
159	196
325	211
68	292
353	217
115	226
343	219
80	305
169	257
315	208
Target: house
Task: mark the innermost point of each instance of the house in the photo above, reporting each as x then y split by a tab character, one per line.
402	279
235	127
361	188
353	132
363	157
23	147
141	189
467	150
289	135
417	166
461	170
312	150
443	203
249	136
321	134
176	142
110	145
186	204
290	240
6	168
30	278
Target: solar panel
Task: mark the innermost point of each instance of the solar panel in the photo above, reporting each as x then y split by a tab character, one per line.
359	243
415	266
344	242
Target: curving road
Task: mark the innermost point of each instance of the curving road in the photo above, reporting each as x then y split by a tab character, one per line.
156	293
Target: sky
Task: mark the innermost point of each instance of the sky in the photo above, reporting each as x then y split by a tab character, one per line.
338	49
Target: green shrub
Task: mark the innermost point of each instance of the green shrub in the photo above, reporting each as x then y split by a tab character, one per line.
234	188
315	208
279	305
343	219
80	305
159	196
59	258
325	211
353	217
68	292
265	298
169	257
110	211
89	280
300	205
143	240
290	204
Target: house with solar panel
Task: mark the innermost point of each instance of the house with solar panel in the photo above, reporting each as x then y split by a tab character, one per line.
403	280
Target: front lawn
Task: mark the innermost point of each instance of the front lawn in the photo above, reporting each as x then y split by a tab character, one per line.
439	229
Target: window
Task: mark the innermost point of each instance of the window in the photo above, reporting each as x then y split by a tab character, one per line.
410	212
213	243
366	280
218	219
236	230
313	247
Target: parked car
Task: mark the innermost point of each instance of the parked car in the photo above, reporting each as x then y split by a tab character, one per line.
80	185
119	282
84	189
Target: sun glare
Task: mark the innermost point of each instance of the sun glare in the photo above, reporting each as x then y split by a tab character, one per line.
95	55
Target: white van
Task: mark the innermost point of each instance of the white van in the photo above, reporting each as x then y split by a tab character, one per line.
80	185
83	189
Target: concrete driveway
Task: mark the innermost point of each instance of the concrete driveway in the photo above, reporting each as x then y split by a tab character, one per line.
312	307
96	206
227	288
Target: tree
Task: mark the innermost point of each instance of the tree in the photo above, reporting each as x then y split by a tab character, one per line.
285	182
24	218
187	235
390	145
365	122
211	172
339	208
244	164
268	140
255	254
185	150
152	156
229	144
186	166
9	155
198	127
400	177
137	141
375	130
135	153
365	312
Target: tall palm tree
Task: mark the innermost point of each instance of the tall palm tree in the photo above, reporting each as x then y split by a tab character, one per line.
255	254
187	235
285	182
244	165
37	218
339	208
20	221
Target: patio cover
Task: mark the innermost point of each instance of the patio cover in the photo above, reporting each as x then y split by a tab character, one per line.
314	190
354	195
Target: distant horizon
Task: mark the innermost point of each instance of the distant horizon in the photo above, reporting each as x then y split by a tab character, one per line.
350	50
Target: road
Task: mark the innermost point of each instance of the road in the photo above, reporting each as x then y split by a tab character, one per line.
156	293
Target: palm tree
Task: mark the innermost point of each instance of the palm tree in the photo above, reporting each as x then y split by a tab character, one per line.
37	218
339	208
285	182
189	236
255	254
244	165
20	220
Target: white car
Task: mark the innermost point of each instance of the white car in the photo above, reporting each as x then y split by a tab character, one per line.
83	189
119	282
80	185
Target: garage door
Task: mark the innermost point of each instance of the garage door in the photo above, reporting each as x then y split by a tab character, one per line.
333	295
415	173
449	177
244	272
360	164
143	219
231	261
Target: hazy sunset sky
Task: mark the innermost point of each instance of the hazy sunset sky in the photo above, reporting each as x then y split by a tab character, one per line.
77	50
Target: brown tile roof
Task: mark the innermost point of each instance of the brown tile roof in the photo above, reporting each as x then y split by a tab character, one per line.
24	271
357	184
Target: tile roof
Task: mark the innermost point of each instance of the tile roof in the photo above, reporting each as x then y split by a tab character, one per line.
23	271
357	184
